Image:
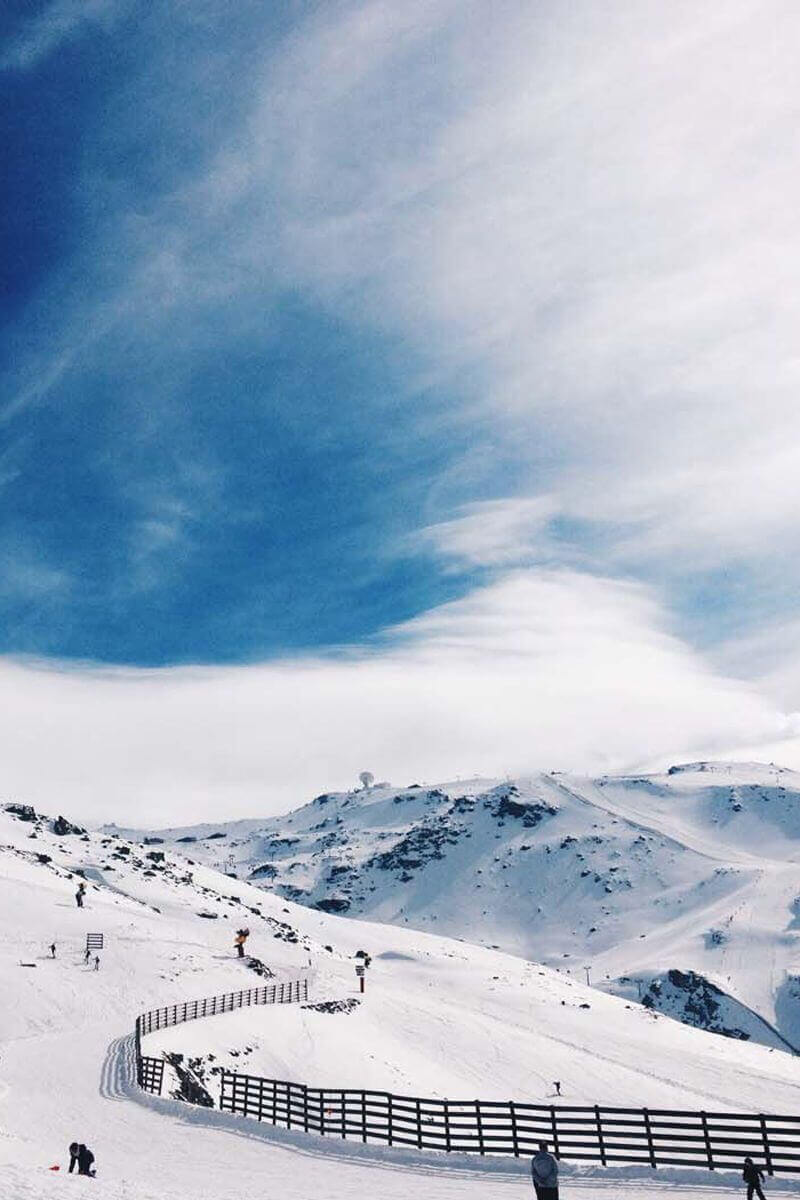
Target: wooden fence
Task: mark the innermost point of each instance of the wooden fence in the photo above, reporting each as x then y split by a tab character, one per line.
638	1136
175	1014
150	1071
648	1137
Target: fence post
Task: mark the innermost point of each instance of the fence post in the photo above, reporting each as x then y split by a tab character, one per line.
305	1108
274	1102
601	1143
344	1118
650	1145
322	1112
419	1124
479	1122
703	1118
765	1140
447	1126
554	1126
364	1117
514	1139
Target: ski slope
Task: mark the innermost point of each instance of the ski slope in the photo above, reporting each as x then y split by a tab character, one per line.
439	1016
695	871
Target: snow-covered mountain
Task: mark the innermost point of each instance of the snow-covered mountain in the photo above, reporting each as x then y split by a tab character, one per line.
681	890
439	1017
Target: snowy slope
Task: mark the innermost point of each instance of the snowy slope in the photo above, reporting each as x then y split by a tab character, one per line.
439	1016
696	871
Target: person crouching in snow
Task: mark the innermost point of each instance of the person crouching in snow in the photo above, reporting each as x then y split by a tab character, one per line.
544	1171
753	1177
82	1155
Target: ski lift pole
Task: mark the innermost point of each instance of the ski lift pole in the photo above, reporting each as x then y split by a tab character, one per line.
360	972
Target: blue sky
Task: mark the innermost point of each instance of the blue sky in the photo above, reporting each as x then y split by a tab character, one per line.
220	478
353	337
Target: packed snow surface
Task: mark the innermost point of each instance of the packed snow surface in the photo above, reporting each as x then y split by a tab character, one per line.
695	872
439	1016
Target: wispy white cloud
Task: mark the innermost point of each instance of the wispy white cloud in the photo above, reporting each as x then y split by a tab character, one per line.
542	669
492	533
581	221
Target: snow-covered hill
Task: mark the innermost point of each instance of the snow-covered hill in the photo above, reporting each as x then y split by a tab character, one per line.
681	889
439	1017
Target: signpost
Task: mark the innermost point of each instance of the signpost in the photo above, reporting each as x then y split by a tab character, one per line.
360	972
94	941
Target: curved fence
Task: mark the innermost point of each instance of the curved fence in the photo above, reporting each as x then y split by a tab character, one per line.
150	1071
647	1137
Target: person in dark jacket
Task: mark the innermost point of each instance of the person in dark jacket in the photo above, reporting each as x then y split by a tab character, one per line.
82	1155
753	1177
544	1172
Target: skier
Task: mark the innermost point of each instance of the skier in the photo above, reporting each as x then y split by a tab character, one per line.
82	1155
753	1177
52	949
80	894
557	1086
544	1172
97	962
87	955
241	937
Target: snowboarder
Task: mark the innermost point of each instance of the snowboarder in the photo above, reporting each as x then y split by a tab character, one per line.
97	962
82	1155
544	1171
753	1177
52	949
241	937
80	894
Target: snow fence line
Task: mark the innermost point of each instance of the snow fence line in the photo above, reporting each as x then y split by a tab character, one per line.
637	1136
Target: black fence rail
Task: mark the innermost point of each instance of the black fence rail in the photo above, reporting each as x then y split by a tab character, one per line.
150	1071
647	1137
638	1136
150	1074
273	993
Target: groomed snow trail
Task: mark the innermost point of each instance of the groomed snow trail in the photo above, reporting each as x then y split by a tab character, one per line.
66	1058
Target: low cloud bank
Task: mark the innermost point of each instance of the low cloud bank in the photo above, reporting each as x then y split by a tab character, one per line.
542	669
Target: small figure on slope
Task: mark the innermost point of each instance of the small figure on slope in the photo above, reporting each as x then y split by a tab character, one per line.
97	962
87	954
753	1177
82	1156
52	949
80	894
544	1171
241	937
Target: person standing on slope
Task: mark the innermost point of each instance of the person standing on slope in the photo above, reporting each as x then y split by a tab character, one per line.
82	1155
79	894
544	1171
753	1177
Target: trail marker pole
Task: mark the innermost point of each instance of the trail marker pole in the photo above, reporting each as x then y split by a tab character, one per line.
360	972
